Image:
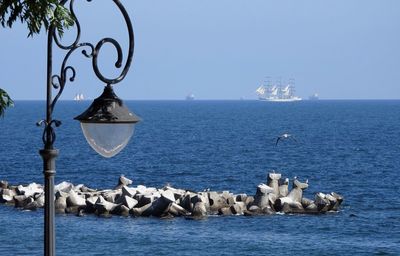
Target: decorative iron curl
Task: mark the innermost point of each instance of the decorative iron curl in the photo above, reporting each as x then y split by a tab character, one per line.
59	81
62	79
118	64
49	135
67	72
78	27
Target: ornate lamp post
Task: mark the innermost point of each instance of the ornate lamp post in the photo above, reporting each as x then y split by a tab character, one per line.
107	124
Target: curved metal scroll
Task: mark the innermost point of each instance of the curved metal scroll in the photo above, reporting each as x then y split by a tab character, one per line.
67	72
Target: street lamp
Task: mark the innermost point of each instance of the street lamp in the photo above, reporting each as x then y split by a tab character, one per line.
107	124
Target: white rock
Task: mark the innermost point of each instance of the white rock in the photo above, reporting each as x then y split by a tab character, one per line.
64	187
74	199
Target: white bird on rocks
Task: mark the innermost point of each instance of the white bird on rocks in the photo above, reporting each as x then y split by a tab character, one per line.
284	137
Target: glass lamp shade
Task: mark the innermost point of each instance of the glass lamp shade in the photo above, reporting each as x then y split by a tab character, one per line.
108	139
107	124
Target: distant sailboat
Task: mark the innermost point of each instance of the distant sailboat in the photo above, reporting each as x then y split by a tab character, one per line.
79	97
314	97
190	96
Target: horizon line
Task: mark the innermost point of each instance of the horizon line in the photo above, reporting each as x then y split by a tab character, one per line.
327	99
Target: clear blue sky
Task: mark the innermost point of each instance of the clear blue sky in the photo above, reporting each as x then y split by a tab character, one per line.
223	49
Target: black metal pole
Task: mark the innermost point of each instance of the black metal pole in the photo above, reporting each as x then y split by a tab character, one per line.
49	170
49	154
58	82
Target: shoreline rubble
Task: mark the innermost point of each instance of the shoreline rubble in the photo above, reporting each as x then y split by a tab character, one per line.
168	202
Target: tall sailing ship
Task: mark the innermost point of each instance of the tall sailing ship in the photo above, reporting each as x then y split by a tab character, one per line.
79	97
277	92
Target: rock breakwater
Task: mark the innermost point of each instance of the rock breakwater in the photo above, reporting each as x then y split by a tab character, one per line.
168	202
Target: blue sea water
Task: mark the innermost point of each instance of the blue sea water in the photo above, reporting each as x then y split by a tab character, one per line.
350	147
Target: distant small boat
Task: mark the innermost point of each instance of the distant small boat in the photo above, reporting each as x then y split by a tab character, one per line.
314	97
190	96
79	97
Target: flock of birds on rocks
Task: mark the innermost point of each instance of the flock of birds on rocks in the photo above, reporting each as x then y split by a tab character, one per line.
166	202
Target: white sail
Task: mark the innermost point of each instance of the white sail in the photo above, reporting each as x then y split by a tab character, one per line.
274	91
286	91
79	97
261	90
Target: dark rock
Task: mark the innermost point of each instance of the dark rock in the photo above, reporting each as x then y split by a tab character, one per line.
103	207
127	201
130	192
145	211
121	210
161	204
22	200
81	212
144	199
91	204
32	206
186	201
177	210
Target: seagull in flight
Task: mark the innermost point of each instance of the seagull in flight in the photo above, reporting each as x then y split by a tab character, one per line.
284	137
